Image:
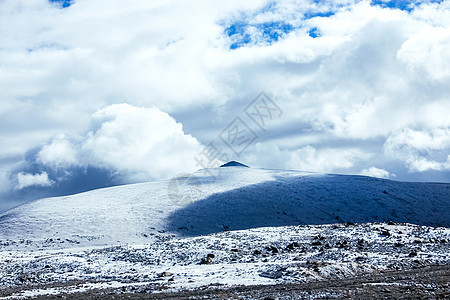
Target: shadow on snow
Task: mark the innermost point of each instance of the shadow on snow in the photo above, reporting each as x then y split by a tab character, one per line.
312	200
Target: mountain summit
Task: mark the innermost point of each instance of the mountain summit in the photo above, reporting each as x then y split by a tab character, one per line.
234	164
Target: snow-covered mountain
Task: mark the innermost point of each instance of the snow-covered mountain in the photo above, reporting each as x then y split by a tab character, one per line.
217	200
218	228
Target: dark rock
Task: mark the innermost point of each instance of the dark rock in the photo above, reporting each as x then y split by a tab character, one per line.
233	164
165	274
385	233
293	245
272	249
208	259
274	274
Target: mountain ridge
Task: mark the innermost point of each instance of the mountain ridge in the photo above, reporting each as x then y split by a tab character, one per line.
234	198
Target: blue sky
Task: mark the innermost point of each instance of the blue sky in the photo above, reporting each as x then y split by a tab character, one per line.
97	93
62	3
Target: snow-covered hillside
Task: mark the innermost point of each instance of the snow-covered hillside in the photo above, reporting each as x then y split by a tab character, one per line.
242	226
235	198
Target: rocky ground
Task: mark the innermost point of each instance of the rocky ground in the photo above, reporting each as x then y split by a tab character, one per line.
430	282
335	261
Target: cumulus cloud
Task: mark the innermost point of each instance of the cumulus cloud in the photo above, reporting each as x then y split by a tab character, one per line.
123	144
25	180
306	158
136	143
361	83
421	150
425	54
59	153
375	172
145	143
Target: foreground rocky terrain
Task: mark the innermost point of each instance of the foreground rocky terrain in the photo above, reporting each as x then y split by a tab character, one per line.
335	260
431	282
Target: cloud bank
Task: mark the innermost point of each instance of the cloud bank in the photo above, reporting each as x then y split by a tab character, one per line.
96	93
25	180
132	143
124	144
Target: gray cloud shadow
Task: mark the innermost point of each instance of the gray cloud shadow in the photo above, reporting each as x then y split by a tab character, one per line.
311	200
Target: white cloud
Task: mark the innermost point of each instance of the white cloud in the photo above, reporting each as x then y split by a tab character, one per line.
420	164
426	54
324	160
375	172
26	180
421	140
372	74
60	153
421	150
137	143
144	143
306	158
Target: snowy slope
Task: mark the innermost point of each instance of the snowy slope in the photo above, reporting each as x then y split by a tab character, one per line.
237	198
260	256
151	237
